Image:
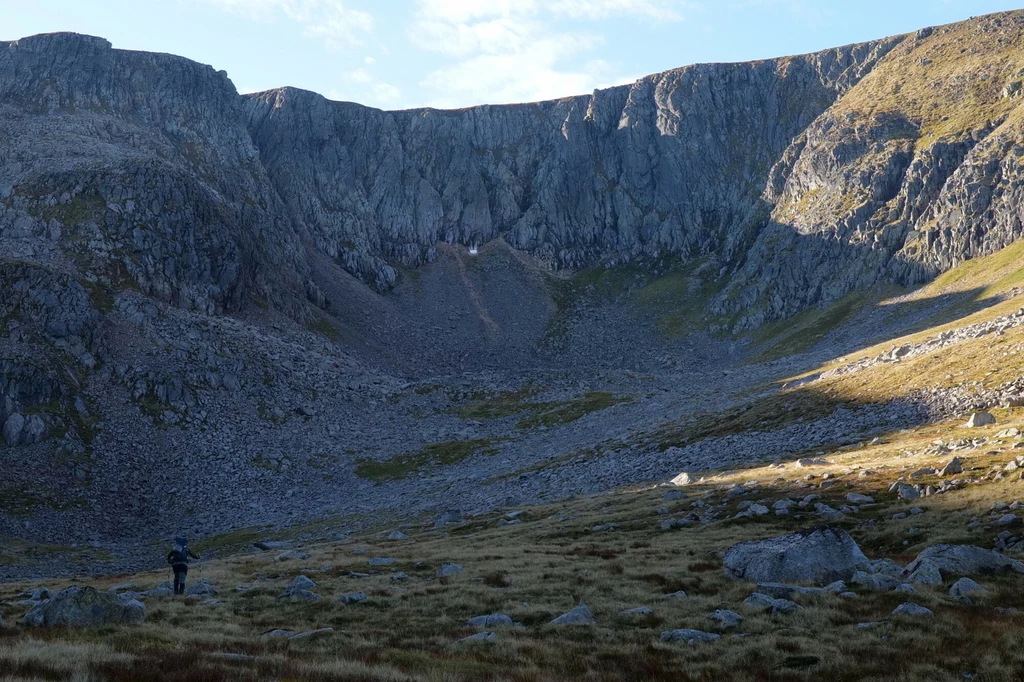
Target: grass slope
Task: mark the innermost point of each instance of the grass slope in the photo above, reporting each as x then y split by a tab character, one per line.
552	560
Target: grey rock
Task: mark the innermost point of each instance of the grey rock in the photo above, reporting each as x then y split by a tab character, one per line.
965	587
202	589
886	567
85	607
449	570
820	555
926	572
726	618
954	466
964	560
879	582
689	636
493	620
912	610
486	637
354	598
580	615
981	419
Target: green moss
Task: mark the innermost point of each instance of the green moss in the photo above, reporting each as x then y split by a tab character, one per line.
554	414
434	455
500	405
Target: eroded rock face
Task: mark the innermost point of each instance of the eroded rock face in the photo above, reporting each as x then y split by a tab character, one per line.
820	555
86	607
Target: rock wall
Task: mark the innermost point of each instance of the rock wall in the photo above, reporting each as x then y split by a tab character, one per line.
675	163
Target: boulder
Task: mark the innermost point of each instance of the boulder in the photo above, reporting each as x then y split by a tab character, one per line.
727	619
960	560
300	589
201	590
965	587
980	419
580	615
905	491
878	582
886	567
682	479
925	573
820	555
489	621
484	637
857	498
689	636
301	583
12	429
911	609
354	598
448	570
954	466
85	607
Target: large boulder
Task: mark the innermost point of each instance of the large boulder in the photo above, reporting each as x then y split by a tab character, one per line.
85	607
819	555
960	560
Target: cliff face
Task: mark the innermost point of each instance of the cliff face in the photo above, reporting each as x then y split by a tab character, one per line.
911	172
137	170
798	179
673	164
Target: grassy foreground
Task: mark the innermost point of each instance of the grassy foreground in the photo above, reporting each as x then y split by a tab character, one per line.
554	559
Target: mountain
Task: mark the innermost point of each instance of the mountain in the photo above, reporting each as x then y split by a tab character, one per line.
220	311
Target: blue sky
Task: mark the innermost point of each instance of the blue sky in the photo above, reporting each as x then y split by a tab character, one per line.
454	53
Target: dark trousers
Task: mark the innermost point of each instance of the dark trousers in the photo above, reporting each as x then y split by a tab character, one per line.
179	579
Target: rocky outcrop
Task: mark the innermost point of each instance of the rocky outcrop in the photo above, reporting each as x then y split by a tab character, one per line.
85	607
819	555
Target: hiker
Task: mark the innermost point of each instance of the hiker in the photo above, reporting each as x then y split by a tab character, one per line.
178	559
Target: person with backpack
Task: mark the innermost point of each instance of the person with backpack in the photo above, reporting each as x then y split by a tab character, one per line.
178	559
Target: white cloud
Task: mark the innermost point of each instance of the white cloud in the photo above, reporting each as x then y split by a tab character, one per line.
662	10
359	76
520	50
385	94
329	20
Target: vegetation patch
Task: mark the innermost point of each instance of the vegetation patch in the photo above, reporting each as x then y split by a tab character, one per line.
563	412
433	455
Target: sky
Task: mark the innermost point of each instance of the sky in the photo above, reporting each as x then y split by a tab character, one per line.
396	54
